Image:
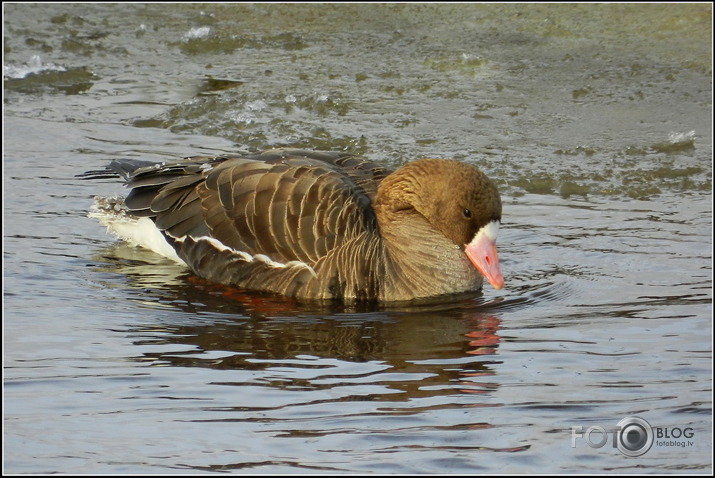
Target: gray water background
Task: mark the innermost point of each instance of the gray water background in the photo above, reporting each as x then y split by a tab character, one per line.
594	120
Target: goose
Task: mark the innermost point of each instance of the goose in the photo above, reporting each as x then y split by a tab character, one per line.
313	225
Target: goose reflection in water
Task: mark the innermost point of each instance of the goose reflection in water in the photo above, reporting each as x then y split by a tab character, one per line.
451	345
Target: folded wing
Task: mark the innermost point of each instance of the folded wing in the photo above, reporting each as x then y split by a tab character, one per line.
272	217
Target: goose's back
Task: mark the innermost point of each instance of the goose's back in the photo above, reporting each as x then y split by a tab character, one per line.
290	206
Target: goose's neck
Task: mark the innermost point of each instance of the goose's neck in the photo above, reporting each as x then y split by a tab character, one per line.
420	261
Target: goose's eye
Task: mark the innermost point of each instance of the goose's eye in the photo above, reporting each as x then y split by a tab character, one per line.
466	213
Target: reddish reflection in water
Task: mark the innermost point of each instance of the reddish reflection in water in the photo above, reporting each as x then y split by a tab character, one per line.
485	338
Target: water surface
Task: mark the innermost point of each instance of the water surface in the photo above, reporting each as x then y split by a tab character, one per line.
594	120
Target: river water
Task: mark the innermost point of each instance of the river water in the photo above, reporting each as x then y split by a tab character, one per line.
595	121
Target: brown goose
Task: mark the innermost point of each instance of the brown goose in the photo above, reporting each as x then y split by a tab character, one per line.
314	225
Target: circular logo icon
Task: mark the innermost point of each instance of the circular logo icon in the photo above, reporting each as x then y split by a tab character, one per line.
634	436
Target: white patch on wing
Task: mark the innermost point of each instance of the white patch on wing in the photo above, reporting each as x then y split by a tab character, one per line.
142	232
220	246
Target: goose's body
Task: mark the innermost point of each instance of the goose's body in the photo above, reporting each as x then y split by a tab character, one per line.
315	225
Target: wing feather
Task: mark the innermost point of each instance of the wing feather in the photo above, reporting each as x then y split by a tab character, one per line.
271	216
